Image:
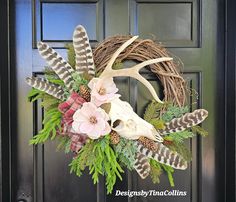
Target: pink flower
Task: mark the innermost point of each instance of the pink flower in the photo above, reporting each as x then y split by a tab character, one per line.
91	120
102	91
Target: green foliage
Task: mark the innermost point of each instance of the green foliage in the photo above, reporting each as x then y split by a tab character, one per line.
199	130
54	79
85	158
181	149
49	71
78	81
169	171
126	151
71	54
64	143
117	65
100	158
157	169
51	122
173	111
153	111
179	137
49	102
35	94
157	123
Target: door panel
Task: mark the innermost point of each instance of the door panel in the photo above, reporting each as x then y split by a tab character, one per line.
188	28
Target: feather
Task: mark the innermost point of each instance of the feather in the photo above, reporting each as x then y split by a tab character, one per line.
43	85
163	155
83	52
186	121
57	63
142	165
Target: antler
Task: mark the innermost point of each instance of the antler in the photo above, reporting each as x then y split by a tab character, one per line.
134	70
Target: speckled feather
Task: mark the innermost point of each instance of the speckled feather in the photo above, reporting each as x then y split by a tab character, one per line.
57	63
49	88
83	52
142	165
163	155
188	120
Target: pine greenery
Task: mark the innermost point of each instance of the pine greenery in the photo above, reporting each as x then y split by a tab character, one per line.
157	169
71	54
181	149
152	111
126	151
157	123
199	130
100	158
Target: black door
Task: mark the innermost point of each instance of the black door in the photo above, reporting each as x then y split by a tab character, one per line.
191	29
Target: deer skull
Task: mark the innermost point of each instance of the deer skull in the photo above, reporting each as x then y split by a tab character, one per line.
123	119
128	124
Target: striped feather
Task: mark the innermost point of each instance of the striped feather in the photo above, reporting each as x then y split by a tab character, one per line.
43	85
83	52
142	165
186	121
57	63
163	155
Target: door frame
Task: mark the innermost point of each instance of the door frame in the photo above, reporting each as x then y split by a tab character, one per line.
7	105
230	98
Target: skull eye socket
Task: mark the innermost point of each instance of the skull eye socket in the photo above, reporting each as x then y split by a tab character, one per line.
116	123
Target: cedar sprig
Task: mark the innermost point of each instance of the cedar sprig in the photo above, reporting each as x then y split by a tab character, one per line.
100	158
35	94
157	169
169	171
51	124
49	102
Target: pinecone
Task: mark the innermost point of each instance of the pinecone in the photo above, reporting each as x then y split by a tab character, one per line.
114	137
84	92
150	144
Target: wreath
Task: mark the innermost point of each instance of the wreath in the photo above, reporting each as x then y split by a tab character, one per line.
83	109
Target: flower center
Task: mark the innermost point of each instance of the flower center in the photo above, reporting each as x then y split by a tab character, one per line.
102	91
93	120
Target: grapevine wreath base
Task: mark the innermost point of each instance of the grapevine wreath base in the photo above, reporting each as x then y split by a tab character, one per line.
84	112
